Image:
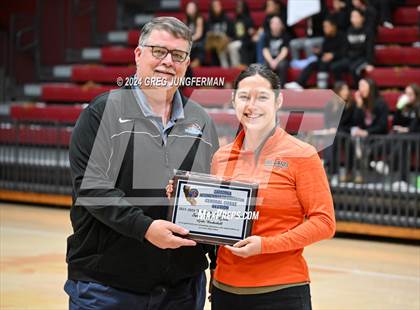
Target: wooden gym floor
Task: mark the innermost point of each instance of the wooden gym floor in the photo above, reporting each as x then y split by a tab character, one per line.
346	273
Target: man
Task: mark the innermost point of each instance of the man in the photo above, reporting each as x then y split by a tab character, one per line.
123	253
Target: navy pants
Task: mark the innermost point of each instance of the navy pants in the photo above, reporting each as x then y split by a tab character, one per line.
187	295
292	298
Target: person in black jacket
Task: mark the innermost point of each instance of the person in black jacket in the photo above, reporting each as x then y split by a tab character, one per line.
276	48
359	49
124	253
370	118
220	32
331	50
241	48
195	21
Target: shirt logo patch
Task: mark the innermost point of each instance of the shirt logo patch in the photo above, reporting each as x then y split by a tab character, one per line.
276	163
194	129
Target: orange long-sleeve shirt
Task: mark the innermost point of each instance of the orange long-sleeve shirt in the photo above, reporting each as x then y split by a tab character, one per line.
294	204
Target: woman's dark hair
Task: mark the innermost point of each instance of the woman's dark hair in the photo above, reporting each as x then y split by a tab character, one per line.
361	13
261	70
245	8
192	19
373	93
212	15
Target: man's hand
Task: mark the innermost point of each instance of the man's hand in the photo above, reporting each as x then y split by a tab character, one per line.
161	234
248	247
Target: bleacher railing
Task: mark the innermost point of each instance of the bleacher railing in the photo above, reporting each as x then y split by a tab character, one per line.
374	180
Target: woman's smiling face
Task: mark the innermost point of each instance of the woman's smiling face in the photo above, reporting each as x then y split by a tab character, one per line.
256	104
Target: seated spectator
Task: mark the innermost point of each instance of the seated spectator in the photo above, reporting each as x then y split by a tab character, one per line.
334	110
359	49
220	32
272	8
370	117
331	51
311	43
368	11
195	22
241	50
340	13
406	117
406	122
276	48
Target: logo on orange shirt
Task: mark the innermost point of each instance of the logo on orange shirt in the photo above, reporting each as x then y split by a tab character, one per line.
276	163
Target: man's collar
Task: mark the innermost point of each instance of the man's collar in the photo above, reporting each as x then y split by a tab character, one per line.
177	105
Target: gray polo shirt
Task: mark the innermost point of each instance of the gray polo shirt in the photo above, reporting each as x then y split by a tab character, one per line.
176	113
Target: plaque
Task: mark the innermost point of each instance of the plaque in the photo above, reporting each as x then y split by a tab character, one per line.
214	211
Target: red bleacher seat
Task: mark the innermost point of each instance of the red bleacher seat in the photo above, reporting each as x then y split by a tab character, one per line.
395	77
45	112
133	37
117	55
36	135
406	16
100	74
412	2
62	92
397	56
402	35
391	97
229	74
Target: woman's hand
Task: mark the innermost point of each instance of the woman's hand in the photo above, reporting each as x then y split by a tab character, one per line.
245	248
169	189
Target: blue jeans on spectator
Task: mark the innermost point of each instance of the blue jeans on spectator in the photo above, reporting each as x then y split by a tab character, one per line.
260	46
189	294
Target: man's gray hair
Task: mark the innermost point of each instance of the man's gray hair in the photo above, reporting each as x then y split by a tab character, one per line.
167	23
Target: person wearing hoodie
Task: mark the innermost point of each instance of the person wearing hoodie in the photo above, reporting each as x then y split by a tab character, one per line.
359	49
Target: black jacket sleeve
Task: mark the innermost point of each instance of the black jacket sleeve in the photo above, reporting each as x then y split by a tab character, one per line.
93	189
380	124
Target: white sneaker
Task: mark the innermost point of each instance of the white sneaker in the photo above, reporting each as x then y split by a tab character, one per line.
388	25
292	85
399	186
380	167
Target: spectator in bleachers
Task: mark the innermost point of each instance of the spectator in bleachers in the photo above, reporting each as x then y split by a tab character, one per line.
406	117
272	8
368	11
220	32
341	14
331	50
359	49
406	122
276	48
370	117
311	42
333	111
241	49
385	9
195	22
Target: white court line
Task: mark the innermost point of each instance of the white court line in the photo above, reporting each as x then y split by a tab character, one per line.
366	273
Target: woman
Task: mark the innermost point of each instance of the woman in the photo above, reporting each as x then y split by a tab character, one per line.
335	111
370	117
195	22
267	270
241	48
406	118
276	49
220	32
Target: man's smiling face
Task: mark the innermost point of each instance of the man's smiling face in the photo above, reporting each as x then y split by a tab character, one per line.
149	66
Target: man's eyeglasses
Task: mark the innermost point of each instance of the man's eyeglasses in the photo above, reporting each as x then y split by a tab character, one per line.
161	52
